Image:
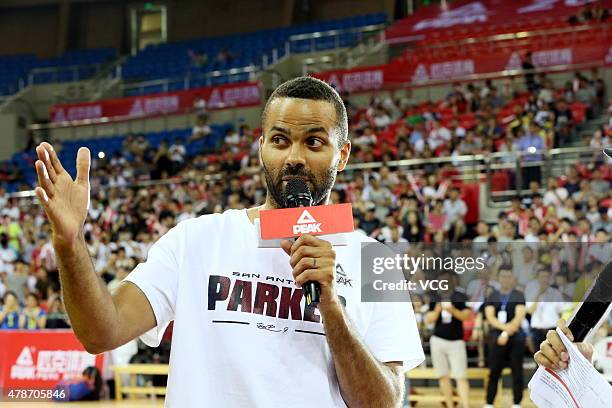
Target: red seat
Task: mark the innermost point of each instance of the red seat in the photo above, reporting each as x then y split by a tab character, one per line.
470	193
578	112
500	181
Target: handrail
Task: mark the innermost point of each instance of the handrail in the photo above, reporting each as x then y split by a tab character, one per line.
74	68
471	158
496	37
59	68
487	158
30	75
187	79
331	33
143	183
416	162
497	74
105	120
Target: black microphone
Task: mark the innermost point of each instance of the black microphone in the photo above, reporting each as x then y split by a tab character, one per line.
594	306
297	194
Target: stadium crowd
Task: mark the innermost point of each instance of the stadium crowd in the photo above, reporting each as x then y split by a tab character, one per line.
544	250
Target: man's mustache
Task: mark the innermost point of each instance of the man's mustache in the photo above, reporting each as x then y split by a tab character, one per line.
295	172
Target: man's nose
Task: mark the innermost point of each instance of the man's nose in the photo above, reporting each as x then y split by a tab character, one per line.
296	156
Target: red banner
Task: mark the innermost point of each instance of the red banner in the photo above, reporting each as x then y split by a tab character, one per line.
219	97
484	14
39	360
417	71
488	62
355	80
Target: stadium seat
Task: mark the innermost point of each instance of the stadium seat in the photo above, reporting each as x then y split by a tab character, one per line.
247	49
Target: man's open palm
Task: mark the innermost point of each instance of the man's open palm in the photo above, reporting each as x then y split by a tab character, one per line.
65	200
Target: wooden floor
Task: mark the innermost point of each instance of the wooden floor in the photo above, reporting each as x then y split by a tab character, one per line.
98	404
477	399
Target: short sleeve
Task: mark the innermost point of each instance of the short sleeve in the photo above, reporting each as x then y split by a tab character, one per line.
460	301
520	298
157	278
392	334
491	300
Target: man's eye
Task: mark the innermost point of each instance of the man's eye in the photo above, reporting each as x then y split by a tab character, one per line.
278	139
314	142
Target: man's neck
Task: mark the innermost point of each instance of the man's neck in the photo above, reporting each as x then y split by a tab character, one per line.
253	213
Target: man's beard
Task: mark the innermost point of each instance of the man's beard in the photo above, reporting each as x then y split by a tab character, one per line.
322	186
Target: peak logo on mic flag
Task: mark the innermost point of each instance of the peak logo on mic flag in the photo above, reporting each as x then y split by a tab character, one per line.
317	220
306	224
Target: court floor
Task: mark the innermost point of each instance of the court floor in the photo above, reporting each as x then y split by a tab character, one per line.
477	400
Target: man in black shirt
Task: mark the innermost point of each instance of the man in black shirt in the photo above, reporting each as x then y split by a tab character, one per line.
528	67
563	122
448	353
505	311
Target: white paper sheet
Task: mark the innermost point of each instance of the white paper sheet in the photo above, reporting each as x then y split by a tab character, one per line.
579	385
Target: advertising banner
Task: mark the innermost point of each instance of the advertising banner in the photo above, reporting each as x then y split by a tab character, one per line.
483	13
39	360
219	97
416	71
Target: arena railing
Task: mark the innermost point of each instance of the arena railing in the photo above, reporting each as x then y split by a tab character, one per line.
186	81
478	168
54	76
53	73
266	60
115	121
490	38
363	33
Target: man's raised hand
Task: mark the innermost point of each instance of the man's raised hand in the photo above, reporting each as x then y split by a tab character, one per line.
65	200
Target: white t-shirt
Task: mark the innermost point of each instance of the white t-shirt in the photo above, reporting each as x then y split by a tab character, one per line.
201	129
549	308
455	209
242	336
555	197
177	153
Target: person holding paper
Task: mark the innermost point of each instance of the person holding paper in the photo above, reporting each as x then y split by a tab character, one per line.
553	354
566	377
243	336
504	311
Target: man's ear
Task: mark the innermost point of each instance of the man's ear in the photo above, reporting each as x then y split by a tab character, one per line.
261	141
345	152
